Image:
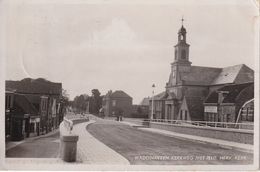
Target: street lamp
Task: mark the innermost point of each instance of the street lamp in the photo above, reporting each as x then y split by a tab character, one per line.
153	86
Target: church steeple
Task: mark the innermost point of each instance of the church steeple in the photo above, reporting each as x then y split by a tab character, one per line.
182	33
181	62
182	48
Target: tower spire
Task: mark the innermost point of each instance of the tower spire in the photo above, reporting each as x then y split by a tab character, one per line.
182	20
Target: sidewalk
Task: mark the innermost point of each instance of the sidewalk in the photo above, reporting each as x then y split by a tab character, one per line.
12	144
222	143
92	151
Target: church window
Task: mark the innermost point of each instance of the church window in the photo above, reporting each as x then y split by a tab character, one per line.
183	54
181	37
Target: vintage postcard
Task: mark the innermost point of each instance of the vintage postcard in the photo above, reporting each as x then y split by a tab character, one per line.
129	85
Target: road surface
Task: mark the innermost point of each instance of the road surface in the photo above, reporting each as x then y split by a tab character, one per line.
143	147
44	147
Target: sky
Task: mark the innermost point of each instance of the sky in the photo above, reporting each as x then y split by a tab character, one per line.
123	45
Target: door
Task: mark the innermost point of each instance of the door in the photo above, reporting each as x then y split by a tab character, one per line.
169	111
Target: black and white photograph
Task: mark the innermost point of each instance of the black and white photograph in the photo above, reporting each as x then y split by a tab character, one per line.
130	85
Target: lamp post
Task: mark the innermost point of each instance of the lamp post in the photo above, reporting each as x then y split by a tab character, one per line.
153	86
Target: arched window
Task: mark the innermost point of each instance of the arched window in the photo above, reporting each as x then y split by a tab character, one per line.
175	54
183	54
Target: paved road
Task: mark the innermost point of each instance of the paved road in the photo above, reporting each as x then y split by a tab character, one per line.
44	147
143	147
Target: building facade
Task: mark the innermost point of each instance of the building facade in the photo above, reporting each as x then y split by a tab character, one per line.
188	83
158	106
20	117
117	103
224	104
41	95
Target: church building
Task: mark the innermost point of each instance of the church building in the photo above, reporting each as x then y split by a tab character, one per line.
189	86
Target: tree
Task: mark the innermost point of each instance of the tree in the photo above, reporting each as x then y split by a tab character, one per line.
80	103
96	101
64	103
95	93
65	97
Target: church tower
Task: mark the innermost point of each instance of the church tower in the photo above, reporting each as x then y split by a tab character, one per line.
181	62
182	48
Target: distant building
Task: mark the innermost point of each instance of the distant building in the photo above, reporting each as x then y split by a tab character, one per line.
141	110
224	104
117	103
45	97
190	85
158	106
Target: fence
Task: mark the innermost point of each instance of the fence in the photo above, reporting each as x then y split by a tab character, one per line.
239	126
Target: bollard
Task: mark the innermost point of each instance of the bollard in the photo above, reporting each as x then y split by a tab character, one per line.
69	147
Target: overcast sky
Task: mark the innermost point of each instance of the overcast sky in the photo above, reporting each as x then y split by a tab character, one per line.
123	46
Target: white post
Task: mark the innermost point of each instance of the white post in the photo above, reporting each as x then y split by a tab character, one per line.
35	130
152	101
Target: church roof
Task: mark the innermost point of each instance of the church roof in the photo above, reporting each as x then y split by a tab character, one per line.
182	30
199	75
230	74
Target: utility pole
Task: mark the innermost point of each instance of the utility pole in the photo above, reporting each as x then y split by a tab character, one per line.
153	86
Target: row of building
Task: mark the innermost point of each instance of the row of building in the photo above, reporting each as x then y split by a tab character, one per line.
33	107
119	103
198	93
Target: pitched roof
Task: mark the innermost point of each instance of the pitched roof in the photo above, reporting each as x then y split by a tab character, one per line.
24	103
196	108
119	93
159	96
199	75
231	75
35	86
233	92
145	101
170	96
